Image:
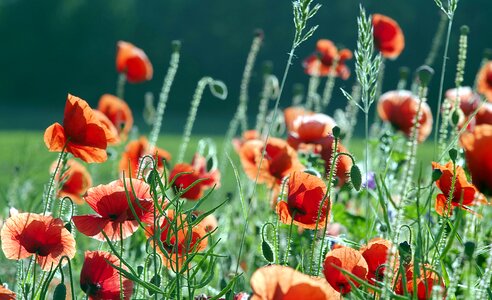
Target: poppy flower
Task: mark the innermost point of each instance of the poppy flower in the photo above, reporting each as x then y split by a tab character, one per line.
246	136
177	238
400	109
425	282
282	282
388	36
465	194
76	181
305	195
111	132
375	253
467	98
118	112
6	294
110	202
133	62
477	153
135	150
321	62
27	234
280	160
81	134
100	280
209	223
348	259
484	81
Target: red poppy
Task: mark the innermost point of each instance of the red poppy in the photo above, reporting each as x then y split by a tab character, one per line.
376	253
118	112
111	132
82	134
465	194
305	195
484	81
246	136
348	259
321	62
400	109
133	62
388	36
467	98
111	203
478	159
281	282
209	223
177	238
280	160
425	282
6	294
76	181
100	280
27	234
135	150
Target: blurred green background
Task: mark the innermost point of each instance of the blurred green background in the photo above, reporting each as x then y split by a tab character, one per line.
53	47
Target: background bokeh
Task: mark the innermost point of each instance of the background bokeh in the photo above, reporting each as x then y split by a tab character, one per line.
53	47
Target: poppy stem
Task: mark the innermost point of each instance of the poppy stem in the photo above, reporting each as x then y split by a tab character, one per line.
120	86
270	88
34	276
61	160
330	84
286	258
122	292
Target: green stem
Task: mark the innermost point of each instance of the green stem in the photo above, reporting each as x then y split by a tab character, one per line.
286	258
61	158
120	86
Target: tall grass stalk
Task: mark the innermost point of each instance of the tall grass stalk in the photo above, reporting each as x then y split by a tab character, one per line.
120	86
269	91
437	40
313	98
329	85
351	112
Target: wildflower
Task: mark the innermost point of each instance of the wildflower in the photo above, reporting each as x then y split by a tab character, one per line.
133	62
322	61
484	115
209	223
280	160
348	259
425	282
306	194
100	280
197	171
388	36
484	81
81	134
76	181
464	194
27	234
477	153
282	282
400	109
118	112
110	202
375	253
246	136
6	294
467	98
111	131
135	150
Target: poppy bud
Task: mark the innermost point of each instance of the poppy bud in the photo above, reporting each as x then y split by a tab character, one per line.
140	270
436	174
453	154
455	117
424	74
60	292
405	251
356	177
470	249
336	132
176	45
266	249
155	280
464	29
404	72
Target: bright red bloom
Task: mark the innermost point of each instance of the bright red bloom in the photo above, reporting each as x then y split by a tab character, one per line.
467	98
305	195
82	133
76	181
111	131
280	282
375	253
118	112
484	81
111	203
100	280
6	294
135	150
425	282
400	109
348	259
478	159
388	36
321	62
27	234
465	194
133	62
198	171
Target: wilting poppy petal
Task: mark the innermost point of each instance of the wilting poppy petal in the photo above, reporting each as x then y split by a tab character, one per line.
388	36
484	81
348	259
133	62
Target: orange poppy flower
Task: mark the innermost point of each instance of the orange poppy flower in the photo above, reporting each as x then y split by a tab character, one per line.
82	134
76	181
135	150
198	171
282	282
305	195
6	294
348	259
209	223
375	253
27	234
465	194
400	108
321	62
484	81
246	136
118	112
111	132
175	245
133	62
477	153
100	280
280	160
388	36
425	282
111	203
